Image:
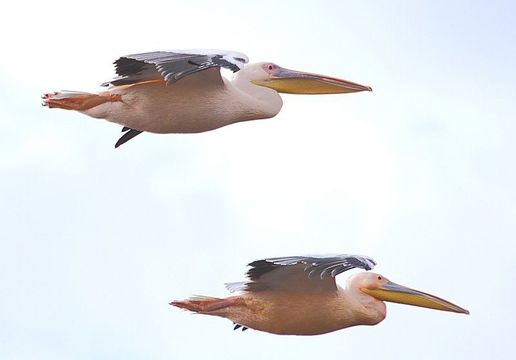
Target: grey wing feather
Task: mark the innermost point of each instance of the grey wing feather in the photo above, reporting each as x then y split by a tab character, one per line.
303	272
333	265
314	265
172	66
236	286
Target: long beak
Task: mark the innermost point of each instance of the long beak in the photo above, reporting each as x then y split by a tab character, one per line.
403	295
297	82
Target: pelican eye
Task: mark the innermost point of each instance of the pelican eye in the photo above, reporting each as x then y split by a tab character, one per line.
379	277
270	67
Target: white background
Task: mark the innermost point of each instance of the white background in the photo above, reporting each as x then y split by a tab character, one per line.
419	174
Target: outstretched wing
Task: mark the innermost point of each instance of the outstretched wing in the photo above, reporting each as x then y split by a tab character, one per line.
300	273
172	66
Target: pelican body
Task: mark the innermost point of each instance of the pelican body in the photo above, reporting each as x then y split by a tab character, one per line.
299	296
184	92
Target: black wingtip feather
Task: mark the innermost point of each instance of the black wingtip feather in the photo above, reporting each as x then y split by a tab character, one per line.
258	268
127	136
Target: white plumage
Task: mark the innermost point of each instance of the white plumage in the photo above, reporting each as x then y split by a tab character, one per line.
184	92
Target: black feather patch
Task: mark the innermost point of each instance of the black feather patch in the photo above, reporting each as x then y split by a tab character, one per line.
126	66
127	136
260	267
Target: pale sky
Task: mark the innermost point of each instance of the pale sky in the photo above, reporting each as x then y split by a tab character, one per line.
419	174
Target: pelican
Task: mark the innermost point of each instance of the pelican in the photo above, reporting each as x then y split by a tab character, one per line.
297	295
184	92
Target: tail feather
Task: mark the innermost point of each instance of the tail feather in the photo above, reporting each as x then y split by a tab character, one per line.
77	100
204	304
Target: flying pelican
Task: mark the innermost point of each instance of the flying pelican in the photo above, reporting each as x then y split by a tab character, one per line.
297	295
184	92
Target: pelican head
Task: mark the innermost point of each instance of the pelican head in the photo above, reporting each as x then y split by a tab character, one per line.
297	82
376	288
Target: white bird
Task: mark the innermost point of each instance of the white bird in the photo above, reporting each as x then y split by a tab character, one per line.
184	92
297	295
